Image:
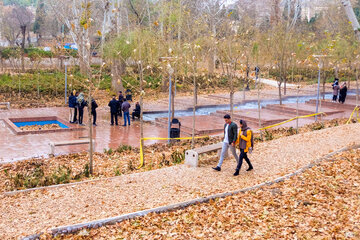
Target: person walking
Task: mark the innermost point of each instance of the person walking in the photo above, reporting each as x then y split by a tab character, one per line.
94	106
125	108
72	106
336	89
81	103
246	142
343	93
121	100
230	136
114	108
137	111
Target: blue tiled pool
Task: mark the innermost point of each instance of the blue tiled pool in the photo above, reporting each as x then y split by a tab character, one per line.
41	123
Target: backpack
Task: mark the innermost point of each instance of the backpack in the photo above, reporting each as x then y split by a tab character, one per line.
252	142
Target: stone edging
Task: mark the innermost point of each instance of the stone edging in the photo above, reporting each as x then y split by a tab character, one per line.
99	223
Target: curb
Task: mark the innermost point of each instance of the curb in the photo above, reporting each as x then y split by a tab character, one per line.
99	223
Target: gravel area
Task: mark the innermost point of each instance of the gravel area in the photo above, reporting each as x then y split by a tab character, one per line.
30	213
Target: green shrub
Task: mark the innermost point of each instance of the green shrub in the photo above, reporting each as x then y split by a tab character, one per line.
123	148
268	136
178	157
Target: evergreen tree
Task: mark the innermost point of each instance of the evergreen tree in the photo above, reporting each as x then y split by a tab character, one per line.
39	18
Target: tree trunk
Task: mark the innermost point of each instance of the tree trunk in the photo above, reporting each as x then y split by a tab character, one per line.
91	167
349	11
280	97
232	93
23	32
259	109
194	107
141	112
117	69
357	87
324	83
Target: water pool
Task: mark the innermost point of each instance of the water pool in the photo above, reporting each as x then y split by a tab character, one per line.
40	123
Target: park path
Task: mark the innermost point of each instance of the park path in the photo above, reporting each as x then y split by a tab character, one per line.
29	213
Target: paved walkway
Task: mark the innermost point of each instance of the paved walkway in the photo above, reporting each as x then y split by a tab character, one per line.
14	147
38	211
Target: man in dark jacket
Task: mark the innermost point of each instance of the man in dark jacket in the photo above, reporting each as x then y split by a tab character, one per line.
114	108
94	106
125	108
137	111
230	137
72	105
121	100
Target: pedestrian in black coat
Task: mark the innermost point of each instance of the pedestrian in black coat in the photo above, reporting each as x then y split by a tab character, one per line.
137	111
121	99
343	93
76	107
94	106
114	108
81	104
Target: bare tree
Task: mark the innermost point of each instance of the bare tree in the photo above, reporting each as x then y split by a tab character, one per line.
23	18
352	17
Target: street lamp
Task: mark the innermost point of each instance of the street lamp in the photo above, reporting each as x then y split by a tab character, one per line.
171	72
321	64
66	63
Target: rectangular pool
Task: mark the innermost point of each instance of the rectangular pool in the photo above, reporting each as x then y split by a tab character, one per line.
40	123
15	124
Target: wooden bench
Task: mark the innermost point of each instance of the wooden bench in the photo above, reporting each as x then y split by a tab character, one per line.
192	156
6	103
68	143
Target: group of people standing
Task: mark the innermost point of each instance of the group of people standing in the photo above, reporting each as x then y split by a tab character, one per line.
77	103
339	92
244	140
121	107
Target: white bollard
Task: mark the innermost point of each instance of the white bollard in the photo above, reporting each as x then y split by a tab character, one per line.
191	158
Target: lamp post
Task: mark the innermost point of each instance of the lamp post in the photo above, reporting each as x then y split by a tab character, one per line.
319	58
170	71
66	63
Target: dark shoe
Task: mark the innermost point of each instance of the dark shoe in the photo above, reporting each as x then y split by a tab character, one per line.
217	168
112	124
249	169
237	173
94	124
123	125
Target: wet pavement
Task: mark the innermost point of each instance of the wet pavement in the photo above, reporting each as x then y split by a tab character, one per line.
15	147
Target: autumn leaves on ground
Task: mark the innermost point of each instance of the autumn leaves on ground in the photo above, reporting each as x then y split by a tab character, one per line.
123	160
322	203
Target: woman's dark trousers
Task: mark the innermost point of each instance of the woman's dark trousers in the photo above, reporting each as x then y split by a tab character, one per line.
81	115
75	115
243	155
94	116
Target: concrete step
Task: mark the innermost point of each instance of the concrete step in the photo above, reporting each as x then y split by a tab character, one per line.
287	110
267	117
333	105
